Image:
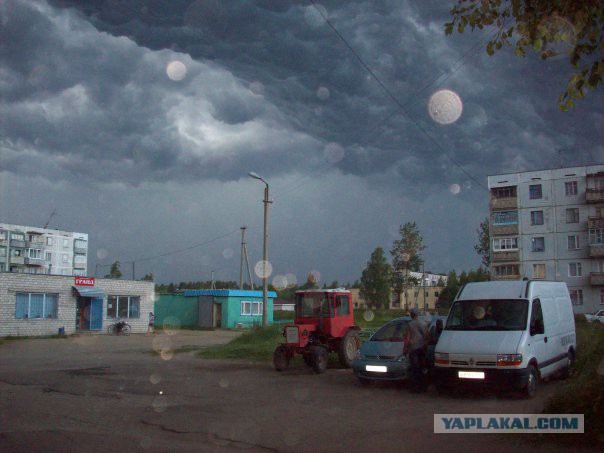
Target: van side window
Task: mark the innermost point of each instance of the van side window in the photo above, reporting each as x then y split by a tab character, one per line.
536	326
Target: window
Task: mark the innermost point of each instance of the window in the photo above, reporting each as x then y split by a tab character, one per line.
2	235
596	236
538	270
537	244
80	258
65	243
34	253
342	306
36	305
574	270
17	236
572	215
535	191
600	266
573	242
49	241
505	218
80	243
507	270
48	256
123	306
601	296
2	251
246	308
436	293
256	308
576	296
505	244
536	316
570	188
536	217
504	192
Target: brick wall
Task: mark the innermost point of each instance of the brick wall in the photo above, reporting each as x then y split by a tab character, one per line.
11	283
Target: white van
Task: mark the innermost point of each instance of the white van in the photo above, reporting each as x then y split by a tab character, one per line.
507	332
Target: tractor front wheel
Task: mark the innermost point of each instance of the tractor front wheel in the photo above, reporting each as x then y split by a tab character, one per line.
281	358
319	359
349	346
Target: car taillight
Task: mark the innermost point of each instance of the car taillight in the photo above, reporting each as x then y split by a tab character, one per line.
509	359
442	358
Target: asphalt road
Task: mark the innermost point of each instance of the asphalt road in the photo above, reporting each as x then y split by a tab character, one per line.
143	393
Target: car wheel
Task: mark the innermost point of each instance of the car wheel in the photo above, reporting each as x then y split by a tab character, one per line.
280	358
530	389
319	359
349	346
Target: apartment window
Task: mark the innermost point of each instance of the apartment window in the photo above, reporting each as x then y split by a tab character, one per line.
538	270
504	192
576	296
79	273
80	258
2	251
601	296
17	236
65	243
123	307
80	243
570	188
49	241
16	252
505	244
600	266
537	244
34	253
572	215
573	242
574	270
436	294
36	305
535	191
507	270
536	217
505	218
596	236
48	256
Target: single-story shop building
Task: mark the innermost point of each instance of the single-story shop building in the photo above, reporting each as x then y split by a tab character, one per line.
214	308
38	304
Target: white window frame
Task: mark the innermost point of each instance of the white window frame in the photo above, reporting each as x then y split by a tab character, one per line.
80	243
570	188
48	256
505	244
34	253
596	236
575	269
56	311
540	267
575	241
246	308
17	236
49	240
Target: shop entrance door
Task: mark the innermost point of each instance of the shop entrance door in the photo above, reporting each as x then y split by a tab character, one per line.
83	314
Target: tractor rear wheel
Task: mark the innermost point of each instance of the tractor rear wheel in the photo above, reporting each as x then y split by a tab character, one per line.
319	359
281	358
349	346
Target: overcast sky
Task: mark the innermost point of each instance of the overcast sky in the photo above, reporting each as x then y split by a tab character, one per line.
139	120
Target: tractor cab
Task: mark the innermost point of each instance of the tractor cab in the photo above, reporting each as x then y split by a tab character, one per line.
324	323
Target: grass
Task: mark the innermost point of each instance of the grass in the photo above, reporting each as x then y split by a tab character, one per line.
583	392
257	344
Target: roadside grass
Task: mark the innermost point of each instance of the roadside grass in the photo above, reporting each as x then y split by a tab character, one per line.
583	392
257	344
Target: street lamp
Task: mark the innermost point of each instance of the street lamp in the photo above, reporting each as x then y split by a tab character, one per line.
264	249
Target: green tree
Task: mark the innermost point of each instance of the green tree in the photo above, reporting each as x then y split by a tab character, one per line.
375	280
148	277
114	272
311	282
483	247
549	28
406	257
454	283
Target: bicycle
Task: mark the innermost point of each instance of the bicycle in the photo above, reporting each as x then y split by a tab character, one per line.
119	328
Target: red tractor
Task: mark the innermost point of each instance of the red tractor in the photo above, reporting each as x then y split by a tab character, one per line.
324	323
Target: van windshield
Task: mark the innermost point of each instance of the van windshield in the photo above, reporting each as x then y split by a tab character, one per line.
488	314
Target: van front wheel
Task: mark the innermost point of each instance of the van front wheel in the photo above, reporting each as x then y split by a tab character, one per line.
530	389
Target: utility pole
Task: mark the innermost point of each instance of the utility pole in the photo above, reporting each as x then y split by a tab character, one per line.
265	259
133	269
247	262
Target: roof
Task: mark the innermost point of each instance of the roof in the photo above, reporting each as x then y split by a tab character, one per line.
507	289
227	293
329	290
90	291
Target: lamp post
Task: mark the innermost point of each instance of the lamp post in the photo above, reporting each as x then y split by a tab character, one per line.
264	250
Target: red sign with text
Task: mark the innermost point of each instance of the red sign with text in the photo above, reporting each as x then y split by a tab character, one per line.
84	281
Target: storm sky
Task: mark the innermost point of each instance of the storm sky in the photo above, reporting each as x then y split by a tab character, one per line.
138	121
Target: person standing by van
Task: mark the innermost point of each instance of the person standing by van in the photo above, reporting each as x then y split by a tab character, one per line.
415	348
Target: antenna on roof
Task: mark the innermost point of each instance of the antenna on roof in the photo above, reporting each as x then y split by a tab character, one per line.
52	214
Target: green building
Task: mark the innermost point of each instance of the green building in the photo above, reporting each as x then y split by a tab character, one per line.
219	308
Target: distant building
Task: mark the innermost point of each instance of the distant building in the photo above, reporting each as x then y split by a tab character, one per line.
31	250
549	224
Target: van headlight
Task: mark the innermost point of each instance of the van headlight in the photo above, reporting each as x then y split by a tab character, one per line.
509	359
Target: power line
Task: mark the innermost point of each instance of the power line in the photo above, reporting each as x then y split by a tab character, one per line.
394	98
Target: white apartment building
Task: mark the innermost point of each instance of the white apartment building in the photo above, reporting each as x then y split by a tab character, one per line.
549	224
32	250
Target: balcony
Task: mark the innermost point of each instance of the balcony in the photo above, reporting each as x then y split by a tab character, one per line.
504	230
505	277
80	250
503	203
596	279
595	222
17	260
35	261
594	195
506	256
596	250
35	244
17	243
77	265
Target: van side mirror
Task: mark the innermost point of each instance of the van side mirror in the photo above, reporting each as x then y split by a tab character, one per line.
537	327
